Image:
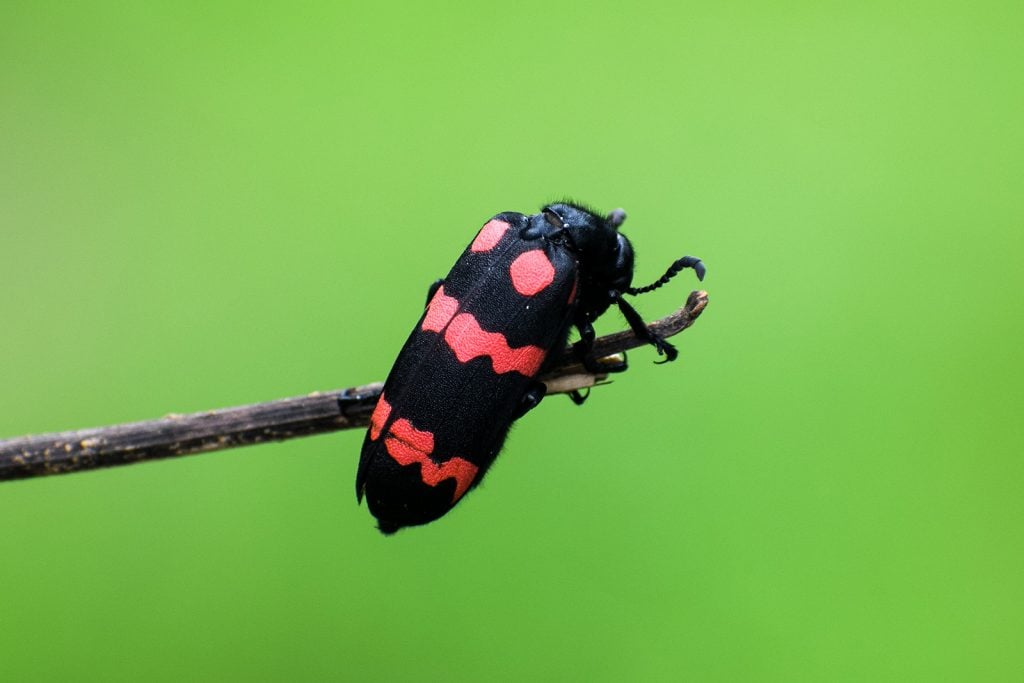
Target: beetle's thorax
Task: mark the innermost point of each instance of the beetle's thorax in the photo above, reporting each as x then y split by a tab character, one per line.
604	255
591	238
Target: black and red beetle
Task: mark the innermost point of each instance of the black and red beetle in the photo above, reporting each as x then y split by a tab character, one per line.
469	368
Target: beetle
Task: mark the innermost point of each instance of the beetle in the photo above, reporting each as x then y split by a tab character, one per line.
490	327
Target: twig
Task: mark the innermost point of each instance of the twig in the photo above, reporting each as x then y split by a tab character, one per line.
287	418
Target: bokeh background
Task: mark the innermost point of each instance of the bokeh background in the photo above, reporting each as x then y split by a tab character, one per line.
205	205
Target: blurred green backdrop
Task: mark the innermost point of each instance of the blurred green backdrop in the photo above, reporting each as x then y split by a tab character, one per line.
203	205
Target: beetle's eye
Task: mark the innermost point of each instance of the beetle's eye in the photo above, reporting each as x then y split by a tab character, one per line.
553	219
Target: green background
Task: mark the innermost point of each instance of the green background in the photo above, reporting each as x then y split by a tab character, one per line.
205	205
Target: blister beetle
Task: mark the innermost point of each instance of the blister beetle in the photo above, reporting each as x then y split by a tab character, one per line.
491	327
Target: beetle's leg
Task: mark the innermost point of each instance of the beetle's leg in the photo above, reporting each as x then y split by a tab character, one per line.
577	397
432	289
584	347
640	329
530	399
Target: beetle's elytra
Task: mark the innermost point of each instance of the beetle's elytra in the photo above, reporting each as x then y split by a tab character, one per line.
469	368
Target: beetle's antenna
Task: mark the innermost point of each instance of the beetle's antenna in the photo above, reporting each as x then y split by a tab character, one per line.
673	270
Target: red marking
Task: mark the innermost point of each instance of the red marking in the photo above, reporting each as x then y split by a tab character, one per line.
489	235
379	417
440	311
421	440
575	283
408	445
468	340
432	474
531	272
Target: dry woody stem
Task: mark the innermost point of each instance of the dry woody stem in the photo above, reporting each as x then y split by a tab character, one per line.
287	418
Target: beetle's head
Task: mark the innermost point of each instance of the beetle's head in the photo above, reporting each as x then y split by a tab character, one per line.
583	230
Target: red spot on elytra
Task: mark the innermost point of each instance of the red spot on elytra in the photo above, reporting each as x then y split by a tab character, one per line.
408	445
468	340
379	417
489	235
440	311
531	272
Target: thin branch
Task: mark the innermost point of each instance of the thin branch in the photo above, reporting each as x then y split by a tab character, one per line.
287	418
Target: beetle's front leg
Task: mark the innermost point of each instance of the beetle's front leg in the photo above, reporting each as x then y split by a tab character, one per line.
644	333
